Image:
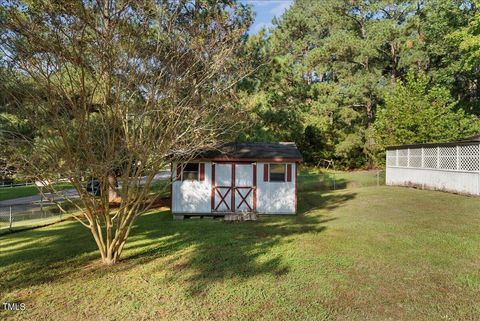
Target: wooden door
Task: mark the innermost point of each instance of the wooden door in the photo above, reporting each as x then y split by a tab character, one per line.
222	188
244	187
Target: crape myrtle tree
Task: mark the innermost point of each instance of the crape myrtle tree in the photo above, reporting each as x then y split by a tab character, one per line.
117	90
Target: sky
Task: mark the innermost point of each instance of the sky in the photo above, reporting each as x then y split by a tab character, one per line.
265	11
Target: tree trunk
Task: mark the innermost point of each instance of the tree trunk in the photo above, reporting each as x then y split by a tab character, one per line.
394	63
111	258
112	185
370	114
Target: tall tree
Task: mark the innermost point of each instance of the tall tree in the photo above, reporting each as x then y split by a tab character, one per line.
415	112
122	88
343	55
467	41
436	52
340	60
272	95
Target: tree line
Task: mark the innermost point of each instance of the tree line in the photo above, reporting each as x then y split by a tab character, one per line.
342	79
345	79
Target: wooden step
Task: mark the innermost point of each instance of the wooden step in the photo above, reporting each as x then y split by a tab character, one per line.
238	217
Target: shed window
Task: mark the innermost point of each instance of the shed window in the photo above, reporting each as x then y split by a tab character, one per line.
190	172
277	172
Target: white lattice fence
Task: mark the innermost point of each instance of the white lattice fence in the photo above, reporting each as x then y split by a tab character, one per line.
392	158
430	157
469	158
465	158
415	158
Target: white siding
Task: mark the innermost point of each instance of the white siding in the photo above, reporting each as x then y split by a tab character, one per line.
452	181
192	196
275	197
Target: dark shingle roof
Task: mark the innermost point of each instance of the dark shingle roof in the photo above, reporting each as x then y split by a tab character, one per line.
254	151
466	141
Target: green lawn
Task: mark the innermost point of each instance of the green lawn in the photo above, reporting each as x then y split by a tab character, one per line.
7	193
315	179
369	253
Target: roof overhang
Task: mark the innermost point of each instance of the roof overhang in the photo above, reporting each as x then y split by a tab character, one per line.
250	160
459	143
467	141
252	152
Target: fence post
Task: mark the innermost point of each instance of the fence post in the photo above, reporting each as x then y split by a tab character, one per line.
10	219
457	157
423	158
438	157
378	178
334	182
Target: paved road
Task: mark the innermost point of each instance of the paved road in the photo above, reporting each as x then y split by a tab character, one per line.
36	202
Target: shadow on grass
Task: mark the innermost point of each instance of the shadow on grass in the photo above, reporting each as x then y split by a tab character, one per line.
321	182
216	250
309	182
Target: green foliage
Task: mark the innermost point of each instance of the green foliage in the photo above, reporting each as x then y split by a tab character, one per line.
470	43
331	64
7	193
329	70
467	40
414	112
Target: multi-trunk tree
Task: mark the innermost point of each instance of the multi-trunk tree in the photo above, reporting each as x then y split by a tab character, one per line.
118	89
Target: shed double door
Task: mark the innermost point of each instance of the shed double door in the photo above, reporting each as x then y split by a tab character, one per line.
233	187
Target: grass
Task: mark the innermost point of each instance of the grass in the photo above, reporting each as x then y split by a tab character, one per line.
7	193
160	188
315	179
52	214
31	223
369	253
28	219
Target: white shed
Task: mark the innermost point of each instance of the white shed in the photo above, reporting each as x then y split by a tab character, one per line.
453	167
237	178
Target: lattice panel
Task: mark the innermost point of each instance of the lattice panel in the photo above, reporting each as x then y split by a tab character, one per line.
402	157
430	157
430	151
469	158
448	157
442	158
392	153
470	150
415	159
391	157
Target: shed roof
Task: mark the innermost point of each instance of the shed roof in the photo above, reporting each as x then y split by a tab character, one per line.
466	141
285	151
